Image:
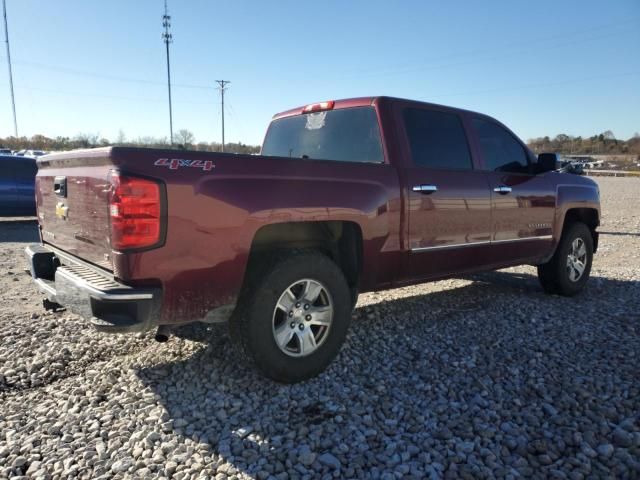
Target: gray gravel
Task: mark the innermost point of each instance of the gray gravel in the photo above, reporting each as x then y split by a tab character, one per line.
469	378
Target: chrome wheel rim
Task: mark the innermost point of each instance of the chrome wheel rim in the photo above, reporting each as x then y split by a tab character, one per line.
577	260
302	318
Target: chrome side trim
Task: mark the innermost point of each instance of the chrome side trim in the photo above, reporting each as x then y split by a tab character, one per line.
541	237
475	244
446	247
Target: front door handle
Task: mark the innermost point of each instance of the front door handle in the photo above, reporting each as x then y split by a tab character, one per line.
502	189
426	189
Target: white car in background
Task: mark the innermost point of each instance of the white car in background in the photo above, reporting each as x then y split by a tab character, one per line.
34	153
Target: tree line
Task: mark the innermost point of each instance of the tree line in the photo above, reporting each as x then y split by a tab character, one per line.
603	144
181	139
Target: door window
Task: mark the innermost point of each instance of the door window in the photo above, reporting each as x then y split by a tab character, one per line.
437	139
501	151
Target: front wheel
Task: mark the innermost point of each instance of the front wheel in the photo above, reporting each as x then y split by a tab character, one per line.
293	316
568	270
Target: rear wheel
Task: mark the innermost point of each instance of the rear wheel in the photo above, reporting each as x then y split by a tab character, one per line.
293	316
568	270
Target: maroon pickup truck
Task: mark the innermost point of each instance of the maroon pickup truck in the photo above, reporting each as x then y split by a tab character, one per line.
347	196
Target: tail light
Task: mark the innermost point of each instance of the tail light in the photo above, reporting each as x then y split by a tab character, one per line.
135	211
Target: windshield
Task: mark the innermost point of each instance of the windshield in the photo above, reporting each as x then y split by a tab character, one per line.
347	134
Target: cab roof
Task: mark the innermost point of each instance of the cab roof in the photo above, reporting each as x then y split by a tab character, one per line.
367	101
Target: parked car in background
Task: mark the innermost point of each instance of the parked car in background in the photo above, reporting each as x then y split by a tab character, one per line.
5	151
17	186
34	153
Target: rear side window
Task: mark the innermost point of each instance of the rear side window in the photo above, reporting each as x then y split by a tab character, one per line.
437	139
501	151
346	134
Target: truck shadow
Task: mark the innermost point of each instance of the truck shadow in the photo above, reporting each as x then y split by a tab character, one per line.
21	230
233	412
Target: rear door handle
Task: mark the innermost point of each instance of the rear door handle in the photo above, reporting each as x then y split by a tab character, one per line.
426	189
502	189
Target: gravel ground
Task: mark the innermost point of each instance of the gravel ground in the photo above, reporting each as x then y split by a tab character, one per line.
468	378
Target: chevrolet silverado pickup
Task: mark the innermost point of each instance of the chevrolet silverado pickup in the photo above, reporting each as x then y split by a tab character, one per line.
347	196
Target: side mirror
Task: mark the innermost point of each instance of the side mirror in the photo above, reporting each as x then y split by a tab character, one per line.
547	162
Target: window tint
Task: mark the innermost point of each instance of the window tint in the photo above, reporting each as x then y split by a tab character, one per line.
437	139
347	134
502	152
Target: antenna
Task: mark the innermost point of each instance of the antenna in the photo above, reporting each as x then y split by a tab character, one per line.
222	85
6	39
167	38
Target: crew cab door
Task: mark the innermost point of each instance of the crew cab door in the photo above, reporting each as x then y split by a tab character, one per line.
522	203
449	215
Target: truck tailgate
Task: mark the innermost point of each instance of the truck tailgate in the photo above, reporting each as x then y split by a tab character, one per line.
72	197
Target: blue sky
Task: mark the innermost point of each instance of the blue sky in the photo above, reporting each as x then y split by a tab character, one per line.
542	67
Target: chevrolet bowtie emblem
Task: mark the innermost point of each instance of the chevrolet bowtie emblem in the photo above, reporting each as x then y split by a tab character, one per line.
62	210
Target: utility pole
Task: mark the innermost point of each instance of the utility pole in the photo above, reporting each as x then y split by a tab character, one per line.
222	85
6	39
167	38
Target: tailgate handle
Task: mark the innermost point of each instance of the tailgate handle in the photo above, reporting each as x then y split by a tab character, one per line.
60	186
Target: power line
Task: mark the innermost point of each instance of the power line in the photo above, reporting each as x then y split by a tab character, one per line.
420	65
540	85
129	99
85	73
168	38
476	56
222	85
6	39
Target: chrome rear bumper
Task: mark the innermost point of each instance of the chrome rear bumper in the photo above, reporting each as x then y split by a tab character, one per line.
109	305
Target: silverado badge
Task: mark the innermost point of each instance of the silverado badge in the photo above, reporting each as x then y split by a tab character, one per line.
62	211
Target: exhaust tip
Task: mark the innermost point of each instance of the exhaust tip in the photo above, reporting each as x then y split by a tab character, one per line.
162	334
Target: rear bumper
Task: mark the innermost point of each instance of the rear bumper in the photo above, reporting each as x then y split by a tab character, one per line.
110	306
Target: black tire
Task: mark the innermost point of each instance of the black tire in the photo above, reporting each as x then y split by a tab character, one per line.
252	324
555	275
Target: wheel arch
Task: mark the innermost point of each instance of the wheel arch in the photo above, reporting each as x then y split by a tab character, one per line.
338	239
587	215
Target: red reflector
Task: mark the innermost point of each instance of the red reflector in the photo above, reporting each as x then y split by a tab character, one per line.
317	107
135	211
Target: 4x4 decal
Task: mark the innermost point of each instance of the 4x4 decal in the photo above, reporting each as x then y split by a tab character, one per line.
175	163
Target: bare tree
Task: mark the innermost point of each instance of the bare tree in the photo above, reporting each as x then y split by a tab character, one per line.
86	140
121	138
184	137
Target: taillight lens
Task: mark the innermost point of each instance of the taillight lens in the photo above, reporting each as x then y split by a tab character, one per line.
135	210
